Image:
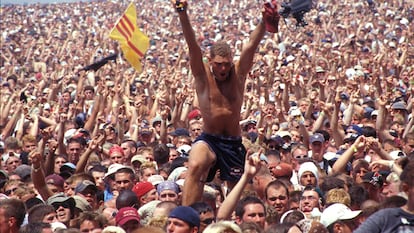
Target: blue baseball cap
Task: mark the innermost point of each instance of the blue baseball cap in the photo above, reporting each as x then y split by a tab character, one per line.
186	214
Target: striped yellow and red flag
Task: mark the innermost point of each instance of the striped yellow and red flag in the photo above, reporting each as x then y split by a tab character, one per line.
133	42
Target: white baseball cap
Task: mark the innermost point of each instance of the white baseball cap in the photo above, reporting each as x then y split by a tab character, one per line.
337	212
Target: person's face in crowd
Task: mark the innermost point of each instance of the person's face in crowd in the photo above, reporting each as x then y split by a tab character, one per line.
53	188
109	213
128	150
295	135
59	161
175	225
70	189
317	150
254	212
15	177
117	157
196	130
147	172
149	156
123	181
12	163
168	195
173	154
183	140
74	150
150	196
62	212
29	146
308	178
90	195
390	189
50	218
206	218
99	179
269	109
359	174
300	154
5	223
66	97
309	200
388	147
110	133
347	226
130	226
157	126
88	94
10	189
303	106
89	226
278	198
221	67
275	129
408	146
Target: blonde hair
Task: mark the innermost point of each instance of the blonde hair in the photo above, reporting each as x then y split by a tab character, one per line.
223	227
338	195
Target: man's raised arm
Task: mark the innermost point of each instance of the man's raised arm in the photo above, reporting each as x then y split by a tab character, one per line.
270	23
196	56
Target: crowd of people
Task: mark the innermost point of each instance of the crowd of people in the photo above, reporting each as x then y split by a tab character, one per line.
324	141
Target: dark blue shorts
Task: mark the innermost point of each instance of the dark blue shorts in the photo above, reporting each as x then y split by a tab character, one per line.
230	156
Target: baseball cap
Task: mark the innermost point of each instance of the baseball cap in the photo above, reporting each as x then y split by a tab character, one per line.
61	198
126	214
319	69
23	171
142	188
156	179
55	180
82	186
399	106
317	137
194	114
186	214
82	204
113	168
138	158
337	212
180	132
184	150
374	178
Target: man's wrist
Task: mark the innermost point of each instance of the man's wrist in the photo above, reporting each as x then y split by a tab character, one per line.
34	169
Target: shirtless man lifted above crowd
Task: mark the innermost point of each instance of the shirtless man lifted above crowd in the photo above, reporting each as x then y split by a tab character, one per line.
219	84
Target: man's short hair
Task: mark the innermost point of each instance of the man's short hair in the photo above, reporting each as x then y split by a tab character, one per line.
14	208
276	184
407	175
92	216
38	212
245	201
220	48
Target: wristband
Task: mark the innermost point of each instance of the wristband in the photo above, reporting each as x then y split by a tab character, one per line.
35	169
354	149
179	6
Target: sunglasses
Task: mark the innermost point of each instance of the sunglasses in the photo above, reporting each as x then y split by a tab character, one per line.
59	204
10	191
208	221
